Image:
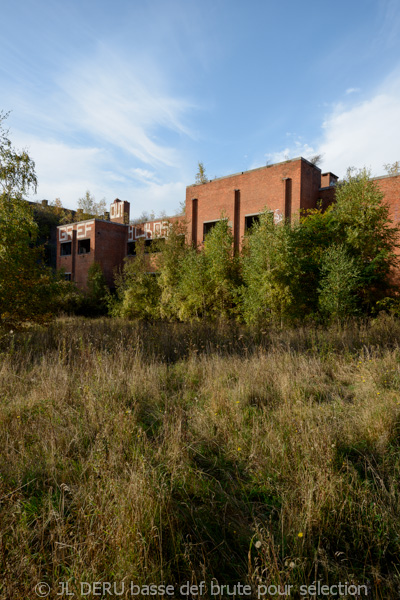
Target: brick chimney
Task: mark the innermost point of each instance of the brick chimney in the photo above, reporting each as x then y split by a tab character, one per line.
119	211
328	179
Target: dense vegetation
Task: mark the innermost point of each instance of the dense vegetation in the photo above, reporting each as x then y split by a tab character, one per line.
327	265
182	452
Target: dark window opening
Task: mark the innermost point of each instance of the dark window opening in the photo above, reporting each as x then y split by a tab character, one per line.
131	248
68	276
150	245
66	249
83	246
251	220
208	226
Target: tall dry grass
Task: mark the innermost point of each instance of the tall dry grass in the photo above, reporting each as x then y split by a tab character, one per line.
173	453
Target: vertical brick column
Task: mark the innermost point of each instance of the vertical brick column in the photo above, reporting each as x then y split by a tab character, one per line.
195	212
236	223
74	251
288	198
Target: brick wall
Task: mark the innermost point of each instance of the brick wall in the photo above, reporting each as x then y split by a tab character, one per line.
283	188
390	186
105	243
110	247
75	263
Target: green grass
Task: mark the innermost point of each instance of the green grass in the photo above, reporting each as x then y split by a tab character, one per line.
173	453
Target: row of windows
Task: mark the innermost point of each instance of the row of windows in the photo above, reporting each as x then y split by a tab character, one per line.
249	221
83	248
154	244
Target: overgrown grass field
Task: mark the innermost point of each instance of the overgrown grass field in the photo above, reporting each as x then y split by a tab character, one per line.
167	453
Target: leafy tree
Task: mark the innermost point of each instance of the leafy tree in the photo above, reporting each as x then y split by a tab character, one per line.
137	289
17	169
26	286
392	168
90	208
48	217
192	290
222	269
269	272
316	159
97	291
200	284
360	221
170	265
310	238
201	176
340	280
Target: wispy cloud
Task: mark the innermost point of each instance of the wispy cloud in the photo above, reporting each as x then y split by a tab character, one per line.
109	126
365	134
143	175
65	171
125	105
352	90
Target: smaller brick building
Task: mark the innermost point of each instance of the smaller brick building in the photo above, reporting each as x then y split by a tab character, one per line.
106	242
285	188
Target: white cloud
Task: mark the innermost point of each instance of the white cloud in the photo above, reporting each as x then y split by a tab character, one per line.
63	171
67	172
159	197
296	149
113	128
366	134
143	175
352	90
293	150
124	105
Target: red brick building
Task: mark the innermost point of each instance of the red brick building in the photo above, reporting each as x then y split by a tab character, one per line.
106	242
285	188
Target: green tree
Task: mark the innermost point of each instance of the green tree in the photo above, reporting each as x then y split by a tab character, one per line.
26	286
204	284
269	272
170	264
310	238
192	289
90	208
97	291
222	269
392	168
340	280
201	176
360	221
48	217
137	289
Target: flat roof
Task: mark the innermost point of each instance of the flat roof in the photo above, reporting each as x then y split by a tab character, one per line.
283	162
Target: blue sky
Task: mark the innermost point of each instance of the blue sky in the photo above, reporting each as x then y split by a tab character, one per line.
124	98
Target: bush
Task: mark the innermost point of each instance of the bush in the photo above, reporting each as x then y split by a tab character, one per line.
137	289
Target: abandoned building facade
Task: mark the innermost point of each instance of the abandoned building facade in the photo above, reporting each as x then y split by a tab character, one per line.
284	188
